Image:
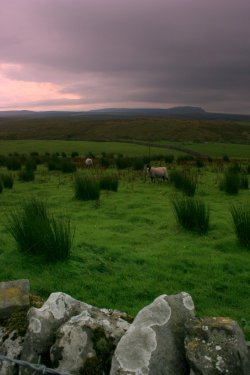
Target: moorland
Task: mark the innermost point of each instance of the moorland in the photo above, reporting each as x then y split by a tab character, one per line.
128	247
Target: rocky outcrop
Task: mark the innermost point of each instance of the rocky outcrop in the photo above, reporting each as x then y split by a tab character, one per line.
73	337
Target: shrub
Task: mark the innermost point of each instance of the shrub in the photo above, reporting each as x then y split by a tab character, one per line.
225	158
241	220
234	168
138	164
169	158
26	175
67	166
105	161
1	186
200	163
230	183
39	233
54	164
31	164
13	163
109	182
192	214
86	187
7	180
74	154
123	163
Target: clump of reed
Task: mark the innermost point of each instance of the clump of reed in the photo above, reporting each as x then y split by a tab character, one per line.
39	233
186	182
192	214
230	183
86	187
7	180
241	220
109	182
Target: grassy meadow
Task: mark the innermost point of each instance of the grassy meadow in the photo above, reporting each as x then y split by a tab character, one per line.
128	247
82	147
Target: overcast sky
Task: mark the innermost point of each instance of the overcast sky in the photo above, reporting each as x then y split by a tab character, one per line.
87	54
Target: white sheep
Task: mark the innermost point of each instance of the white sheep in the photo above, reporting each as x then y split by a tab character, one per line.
157	172
89	162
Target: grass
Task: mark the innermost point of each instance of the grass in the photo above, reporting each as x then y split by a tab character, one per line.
192	214
87	187
218	149
130	249
38	233
82	147
241	219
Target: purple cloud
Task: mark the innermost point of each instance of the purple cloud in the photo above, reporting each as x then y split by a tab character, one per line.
134	53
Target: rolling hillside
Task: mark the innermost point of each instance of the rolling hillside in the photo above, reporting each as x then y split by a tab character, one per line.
197	126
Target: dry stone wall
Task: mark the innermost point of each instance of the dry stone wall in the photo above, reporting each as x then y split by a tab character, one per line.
76	338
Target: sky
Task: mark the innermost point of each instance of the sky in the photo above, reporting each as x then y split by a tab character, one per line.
89	54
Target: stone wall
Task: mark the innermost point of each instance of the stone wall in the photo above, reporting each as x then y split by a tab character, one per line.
73	337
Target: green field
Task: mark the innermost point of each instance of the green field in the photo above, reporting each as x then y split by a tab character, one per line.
82	147
128	248
218	150
129	149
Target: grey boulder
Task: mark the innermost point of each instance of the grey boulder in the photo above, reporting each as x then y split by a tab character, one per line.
154	343
216	346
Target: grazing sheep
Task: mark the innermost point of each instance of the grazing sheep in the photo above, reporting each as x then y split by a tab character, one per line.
89	162
157	172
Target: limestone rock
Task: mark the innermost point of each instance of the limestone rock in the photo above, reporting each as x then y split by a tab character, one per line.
14	296
216	346
44	322
11	347
154	343
87	342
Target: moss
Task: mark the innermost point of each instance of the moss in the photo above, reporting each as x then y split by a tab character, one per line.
104	348
17	322
92	366
36	301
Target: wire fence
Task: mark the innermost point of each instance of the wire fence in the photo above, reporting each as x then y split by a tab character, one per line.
38	368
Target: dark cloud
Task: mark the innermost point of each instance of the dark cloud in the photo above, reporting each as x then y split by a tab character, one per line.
168	52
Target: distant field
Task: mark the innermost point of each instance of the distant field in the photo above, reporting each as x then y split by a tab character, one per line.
83	147
219	150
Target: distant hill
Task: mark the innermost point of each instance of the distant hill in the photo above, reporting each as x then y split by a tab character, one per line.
173	124
177	112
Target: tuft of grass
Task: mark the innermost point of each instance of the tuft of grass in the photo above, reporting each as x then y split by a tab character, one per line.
244	184
192	214
31	164
183	181
138	164
67	166
241	220
13	163
109	182
230	182
39	233
86	187
26	175
7	180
